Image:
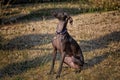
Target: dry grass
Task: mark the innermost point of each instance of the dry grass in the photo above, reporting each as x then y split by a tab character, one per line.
25	49
31	12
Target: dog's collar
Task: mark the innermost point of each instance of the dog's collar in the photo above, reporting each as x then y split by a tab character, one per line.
62	32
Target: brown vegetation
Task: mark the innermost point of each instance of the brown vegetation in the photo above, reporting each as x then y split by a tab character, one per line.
25	46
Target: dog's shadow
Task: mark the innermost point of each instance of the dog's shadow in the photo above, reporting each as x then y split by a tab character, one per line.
99	43
98	59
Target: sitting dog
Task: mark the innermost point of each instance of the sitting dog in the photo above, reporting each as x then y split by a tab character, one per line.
71	53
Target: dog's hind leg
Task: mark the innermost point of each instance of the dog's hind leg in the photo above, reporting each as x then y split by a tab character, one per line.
81	57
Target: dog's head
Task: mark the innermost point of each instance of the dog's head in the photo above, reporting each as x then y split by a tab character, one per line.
63	16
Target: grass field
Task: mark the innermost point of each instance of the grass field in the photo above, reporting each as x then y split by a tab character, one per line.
26	50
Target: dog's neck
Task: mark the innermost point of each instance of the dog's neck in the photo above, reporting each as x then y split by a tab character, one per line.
61	27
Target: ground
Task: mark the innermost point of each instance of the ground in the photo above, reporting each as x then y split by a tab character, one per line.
26	49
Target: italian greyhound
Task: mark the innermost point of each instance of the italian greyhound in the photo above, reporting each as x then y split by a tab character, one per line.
70	51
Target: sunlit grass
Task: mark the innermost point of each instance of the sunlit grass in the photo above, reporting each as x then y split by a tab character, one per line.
24	12
30	55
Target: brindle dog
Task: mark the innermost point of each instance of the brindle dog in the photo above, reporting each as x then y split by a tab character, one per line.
70	51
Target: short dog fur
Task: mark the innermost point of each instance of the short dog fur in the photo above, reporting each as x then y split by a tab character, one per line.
70	51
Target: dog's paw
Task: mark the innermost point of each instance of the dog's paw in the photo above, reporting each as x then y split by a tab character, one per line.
57	76
77	71
49	73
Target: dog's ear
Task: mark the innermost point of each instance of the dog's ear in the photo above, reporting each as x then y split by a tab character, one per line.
70	20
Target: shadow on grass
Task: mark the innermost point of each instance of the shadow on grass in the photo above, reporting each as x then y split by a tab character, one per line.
20	67
1	40
46	14
100	43
98	59
27	41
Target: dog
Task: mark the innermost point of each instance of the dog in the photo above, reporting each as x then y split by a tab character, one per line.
71	53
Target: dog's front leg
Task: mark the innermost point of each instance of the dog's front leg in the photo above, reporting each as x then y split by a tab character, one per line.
53	61
61	63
